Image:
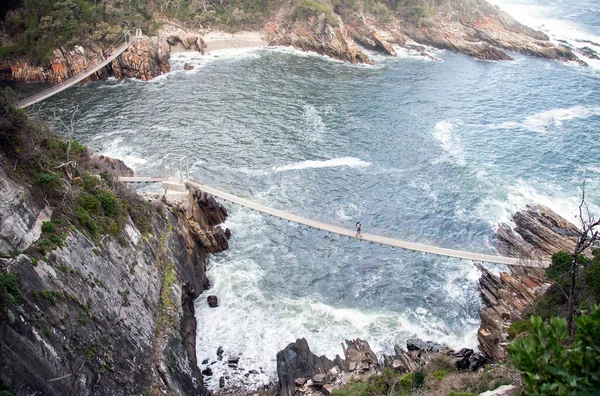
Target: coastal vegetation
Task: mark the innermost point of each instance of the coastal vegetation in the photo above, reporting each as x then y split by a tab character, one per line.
36	28
77	186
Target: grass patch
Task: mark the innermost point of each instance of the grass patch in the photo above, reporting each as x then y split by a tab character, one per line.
519	328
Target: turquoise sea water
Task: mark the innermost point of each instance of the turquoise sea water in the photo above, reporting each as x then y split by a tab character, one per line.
434	152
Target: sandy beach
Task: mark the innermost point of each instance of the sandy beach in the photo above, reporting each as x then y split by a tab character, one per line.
221	40
216	40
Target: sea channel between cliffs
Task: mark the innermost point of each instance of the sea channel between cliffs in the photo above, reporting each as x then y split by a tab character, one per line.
440	149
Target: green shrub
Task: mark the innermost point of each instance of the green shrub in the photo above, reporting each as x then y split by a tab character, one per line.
10	292
551	365
89	203
48	227
48	181
440	374
419	378
108	201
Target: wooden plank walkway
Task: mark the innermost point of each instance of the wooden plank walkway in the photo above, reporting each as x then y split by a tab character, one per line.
141	179
46	93
367	237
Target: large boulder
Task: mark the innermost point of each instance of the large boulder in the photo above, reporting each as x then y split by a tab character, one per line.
297	361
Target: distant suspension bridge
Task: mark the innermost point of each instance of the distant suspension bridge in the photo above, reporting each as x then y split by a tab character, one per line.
121	45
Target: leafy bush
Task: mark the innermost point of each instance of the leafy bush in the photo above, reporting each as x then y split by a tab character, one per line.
10	292
48	181
551	365
48	227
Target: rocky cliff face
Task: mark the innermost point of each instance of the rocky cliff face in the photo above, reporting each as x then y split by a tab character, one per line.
113	317
537	232
472	27
507	298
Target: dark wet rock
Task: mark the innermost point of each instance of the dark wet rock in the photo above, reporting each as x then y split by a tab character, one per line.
299	382
187	66
538	233
207	372
297	361
589	53
415	344
222	382
212	301
205	361
220	353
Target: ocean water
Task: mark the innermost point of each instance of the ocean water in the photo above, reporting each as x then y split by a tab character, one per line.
437	152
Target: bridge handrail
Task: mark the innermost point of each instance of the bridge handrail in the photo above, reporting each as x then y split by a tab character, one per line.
114	50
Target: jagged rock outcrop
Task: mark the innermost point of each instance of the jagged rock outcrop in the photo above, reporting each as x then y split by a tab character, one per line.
482	30
203	218
420	352
148	58
188	41
538	233
114	316
115	166
302	372
507	298
297	361
317	34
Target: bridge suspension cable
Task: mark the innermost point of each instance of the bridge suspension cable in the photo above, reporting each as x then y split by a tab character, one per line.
419	247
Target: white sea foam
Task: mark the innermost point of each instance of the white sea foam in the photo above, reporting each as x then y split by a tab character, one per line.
116	149
450	142
542	121
335	162
498	210
313	124
429	54
253	324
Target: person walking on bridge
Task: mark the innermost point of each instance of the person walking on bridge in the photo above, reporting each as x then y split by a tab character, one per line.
358	230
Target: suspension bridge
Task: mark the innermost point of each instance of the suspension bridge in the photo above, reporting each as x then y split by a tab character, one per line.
121	45
181	182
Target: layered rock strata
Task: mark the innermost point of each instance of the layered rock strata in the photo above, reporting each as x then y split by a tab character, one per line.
507	298
537	233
